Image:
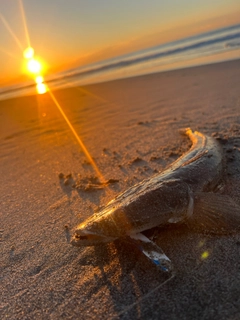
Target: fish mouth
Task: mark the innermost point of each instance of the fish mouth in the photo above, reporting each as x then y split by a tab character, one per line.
83	238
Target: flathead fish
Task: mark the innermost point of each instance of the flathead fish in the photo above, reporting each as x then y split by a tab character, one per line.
184	192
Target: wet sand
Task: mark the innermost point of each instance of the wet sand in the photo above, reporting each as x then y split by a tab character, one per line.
130	128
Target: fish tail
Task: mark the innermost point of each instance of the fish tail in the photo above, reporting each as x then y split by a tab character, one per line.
194	136
185	131
215	213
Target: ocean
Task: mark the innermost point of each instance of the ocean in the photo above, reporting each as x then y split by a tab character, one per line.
210	47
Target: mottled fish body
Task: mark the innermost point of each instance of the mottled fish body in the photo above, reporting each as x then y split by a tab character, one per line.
177	194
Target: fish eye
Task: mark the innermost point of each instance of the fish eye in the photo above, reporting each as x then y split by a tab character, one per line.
81	237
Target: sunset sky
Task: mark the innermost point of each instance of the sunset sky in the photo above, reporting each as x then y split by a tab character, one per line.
68	33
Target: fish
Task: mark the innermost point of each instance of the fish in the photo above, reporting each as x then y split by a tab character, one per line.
185	192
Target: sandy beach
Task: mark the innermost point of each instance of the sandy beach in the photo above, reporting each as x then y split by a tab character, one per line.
131	129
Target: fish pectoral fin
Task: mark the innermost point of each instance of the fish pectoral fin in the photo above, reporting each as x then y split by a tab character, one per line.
152	251
214	213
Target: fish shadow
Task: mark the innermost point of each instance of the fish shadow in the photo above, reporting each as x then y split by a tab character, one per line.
128	275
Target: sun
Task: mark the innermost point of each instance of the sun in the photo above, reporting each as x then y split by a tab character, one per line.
34	66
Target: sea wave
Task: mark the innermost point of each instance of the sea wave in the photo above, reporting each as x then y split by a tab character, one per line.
162	53
217	41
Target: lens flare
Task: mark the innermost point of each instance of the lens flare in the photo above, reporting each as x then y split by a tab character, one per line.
11	32
34	66
41	88
24	22
28	53
204	255
85	150
39	79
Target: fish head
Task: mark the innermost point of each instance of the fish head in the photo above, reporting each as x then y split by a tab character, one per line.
94	231
85	238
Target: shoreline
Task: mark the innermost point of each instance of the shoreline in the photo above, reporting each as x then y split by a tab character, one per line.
29	92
